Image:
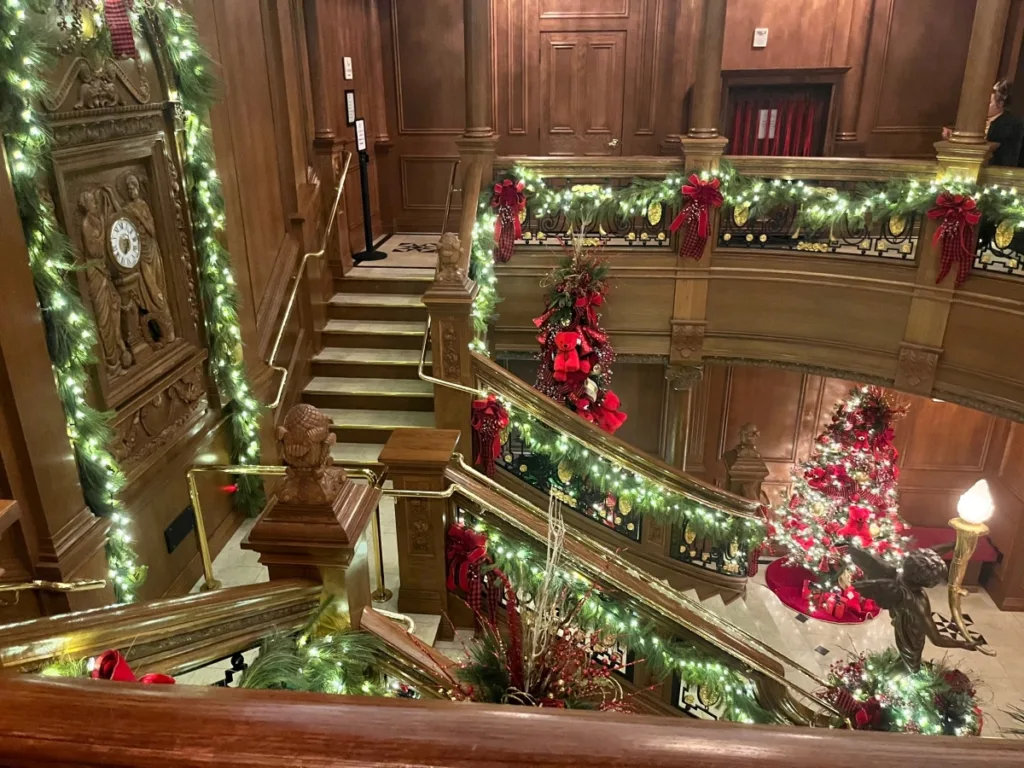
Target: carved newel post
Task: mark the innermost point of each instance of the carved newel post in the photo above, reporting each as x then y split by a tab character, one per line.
316	527
449	299
745	470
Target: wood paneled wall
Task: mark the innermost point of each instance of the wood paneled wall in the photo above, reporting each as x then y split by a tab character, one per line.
570	77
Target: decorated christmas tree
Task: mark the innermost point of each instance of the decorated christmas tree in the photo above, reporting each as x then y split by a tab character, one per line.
845	496
575	354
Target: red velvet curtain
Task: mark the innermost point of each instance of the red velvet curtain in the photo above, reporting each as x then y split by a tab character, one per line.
777	127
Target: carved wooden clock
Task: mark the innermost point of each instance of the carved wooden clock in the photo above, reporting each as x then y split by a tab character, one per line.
124	243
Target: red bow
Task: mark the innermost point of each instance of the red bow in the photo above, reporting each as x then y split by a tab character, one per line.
586	307
700	196
111	665
857	526
509	199
958	215
467	554
488	420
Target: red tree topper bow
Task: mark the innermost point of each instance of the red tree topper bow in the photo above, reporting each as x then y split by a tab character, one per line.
509	200
957	215
700	196
488	420
111	665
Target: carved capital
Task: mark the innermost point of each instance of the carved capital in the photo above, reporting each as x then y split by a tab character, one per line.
683	377
915	368
687	342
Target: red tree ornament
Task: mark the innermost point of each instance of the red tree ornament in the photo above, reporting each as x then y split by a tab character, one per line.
508	199
699	196
957	215
488	420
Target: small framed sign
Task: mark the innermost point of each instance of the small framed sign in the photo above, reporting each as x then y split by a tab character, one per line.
347	66
361	135
350	107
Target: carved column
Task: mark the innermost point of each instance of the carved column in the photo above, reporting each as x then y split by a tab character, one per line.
745	470
966	150
678	419
416	459
849	94
449	300
64	538
707	88
318	525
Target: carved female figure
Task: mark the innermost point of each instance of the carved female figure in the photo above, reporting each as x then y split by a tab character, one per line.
150	262
106	301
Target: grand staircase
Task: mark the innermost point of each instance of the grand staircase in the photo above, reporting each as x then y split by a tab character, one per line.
365	376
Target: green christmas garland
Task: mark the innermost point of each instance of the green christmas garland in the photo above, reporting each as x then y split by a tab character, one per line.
662	655
26	54
648	499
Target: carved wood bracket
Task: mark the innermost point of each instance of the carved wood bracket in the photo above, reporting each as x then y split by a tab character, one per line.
915	368
687	344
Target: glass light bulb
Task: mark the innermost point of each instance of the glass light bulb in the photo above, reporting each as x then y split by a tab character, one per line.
975	505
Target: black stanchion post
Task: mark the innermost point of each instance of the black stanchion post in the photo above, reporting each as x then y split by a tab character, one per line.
364	183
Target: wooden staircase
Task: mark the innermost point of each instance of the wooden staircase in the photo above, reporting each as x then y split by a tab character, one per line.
365	376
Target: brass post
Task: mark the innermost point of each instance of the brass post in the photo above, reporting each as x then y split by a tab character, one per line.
967	535
382	594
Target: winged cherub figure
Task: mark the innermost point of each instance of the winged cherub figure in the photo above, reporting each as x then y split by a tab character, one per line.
902	594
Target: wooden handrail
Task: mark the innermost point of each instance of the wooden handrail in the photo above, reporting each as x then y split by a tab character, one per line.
594	167
660	601
10	513
91	723
525	397
170	636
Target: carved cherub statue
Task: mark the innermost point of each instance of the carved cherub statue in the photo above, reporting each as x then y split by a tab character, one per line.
748	437
449	250
304	440
902	594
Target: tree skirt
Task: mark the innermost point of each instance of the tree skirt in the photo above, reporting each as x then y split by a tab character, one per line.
787	582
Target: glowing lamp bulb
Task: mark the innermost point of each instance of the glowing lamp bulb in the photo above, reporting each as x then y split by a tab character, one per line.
975	506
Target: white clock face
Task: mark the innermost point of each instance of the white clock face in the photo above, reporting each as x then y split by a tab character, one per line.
124	240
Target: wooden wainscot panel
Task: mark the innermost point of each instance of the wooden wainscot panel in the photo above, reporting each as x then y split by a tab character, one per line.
898	117
801	35
834	313
979	364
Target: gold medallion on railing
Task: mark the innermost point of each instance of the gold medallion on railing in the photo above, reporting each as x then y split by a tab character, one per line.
1004	233
740	214
689	536
625	505
654	213
505	434
564	471
734	548
897	224
522	214
709	696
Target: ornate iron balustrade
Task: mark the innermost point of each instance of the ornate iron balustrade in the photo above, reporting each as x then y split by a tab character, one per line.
889	238
1000	249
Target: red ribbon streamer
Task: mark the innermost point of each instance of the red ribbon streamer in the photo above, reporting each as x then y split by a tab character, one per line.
111	665
488	420
957	215
122	40
509	200
700	196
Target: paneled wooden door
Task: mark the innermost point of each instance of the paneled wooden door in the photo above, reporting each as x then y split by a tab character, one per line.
582	82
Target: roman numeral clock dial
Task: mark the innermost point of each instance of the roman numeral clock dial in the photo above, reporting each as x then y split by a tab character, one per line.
124	242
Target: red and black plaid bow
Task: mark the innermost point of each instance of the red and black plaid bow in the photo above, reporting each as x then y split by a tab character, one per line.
699	196
488	419
122	39
509	200
957	215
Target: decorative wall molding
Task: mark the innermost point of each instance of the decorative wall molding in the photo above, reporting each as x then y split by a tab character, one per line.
915	368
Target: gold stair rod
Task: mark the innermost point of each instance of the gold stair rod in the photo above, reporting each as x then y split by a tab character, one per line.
265	470
295	286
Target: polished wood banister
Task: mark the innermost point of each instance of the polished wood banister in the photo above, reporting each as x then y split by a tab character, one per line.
606	566
587	167
525	397
170	636
10	513
137	726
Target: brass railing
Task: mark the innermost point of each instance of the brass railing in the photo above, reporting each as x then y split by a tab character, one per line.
297	279
668	604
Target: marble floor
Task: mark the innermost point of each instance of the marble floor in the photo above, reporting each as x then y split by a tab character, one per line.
812	644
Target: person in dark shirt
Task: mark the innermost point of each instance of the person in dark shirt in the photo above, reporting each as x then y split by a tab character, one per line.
1004	127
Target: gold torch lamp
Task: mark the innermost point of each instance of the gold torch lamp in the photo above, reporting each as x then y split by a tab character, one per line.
974	508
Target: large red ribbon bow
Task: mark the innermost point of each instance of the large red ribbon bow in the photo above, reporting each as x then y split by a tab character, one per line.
488	420
957	215
111	665
509	200
467	555
699	196
586	307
